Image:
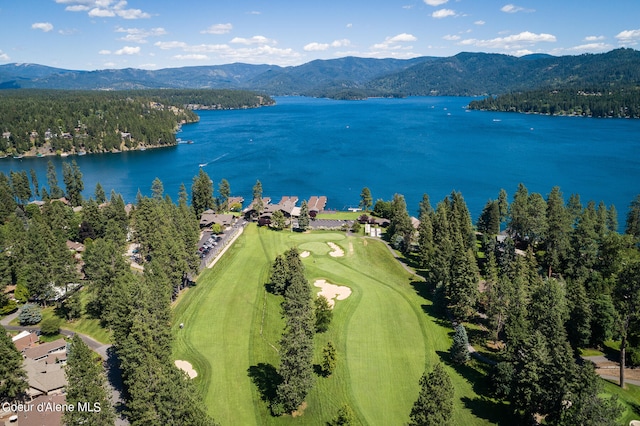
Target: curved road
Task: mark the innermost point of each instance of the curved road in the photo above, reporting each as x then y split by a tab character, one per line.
106	351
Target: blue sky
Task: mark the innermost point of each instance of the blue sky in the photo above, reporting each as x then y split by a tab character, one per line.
99	34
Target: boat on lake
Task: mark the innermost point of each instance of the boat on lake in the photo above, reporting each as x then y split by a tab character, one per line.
82	152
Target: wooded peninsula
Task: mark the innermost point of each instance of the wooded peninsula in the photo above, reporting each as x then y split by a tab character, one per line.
56	122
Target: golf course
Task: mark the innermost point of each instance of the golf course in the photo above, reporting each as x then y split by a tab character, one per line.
384	336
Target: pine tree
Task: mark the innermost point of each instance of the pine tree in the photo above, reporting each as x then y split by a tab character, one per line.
434	406
278	221
460	349
224	189
304	219
558	233
296	345
12	377
86	383
503	205
157	189
329	359
34	181
99	194
400	228
633	218
489	220
55	191
324	314
72	178
627	301
366	201
202	193
463	285
257	197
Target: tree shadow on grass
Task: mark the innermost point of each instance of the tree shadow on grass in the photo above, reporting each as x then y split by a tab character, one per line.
266	378
434	309
482	406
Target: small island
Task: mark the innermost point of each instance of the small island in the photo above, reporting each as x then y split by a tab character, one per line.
38	123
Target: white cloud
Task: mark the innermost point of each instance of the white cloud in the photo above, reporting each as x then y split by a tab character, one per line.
166	45
318	47
451	37
137	35
512	42
104	8
629	37
593	38
104	52
4	56
512	8
349	25
44	26
191	57
253	40
128	50
218	29
392	43
479	22
591	47
435	2
443	13
101	13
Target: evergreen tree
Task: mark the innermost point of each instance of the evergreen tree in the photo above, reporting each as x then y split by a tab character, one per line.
296	345
463	284
202	193
324	314
224	189
34	181
20	186
86	383
460	349
13	379
627	301
52	180
7	202
426	246
489	220
460	220
157	189
279	275
304	219
439	265
72	178
278	221
519	211
558	233
329	359
257	197
434	406
99	194
400	229
633	218
580	316
503	205
366	201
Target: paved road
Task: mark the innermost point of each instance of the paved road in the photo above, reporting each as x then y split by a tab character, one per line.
106	351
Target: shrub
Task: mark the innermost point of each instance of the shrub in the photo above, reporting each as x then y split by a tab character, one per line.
50	326
30	315
8	308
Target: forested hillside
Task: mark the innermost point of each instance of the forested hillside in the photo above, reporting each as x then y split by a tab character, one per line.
43	122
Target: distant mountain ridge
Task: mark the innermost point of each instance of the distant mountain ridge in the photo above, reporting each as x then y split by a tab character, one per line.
465	74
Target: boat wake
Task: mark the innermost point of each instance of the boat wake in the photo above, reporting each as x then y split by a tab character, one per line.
213	161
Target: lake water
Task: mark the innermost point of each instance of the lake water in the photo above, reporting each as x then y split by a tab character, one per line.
306	147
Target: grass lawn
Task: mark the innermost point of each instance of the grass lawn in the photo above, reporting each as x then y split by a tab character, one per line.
383	333
85	324
341	215
629	398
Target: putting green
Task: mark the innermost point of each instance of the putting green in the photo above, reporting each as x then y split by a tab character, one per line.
383	337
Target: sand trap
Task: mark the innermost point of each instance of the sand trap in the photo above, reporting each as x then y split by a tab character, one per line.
336	250
187	368
332	291
305	254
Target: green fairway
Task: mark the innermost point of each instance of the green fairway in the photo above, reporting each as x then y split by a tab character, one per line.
383	336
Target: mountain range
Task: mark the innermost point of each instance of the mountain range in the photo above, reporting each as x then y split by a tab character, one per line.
465	74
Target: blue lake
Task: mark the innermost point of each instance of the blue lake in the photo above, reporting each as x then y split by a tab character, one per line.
433	145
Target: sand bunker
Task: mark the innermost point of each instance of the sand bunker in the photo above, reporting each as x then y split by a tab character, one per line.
187	368
332	291
336	250
305	254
